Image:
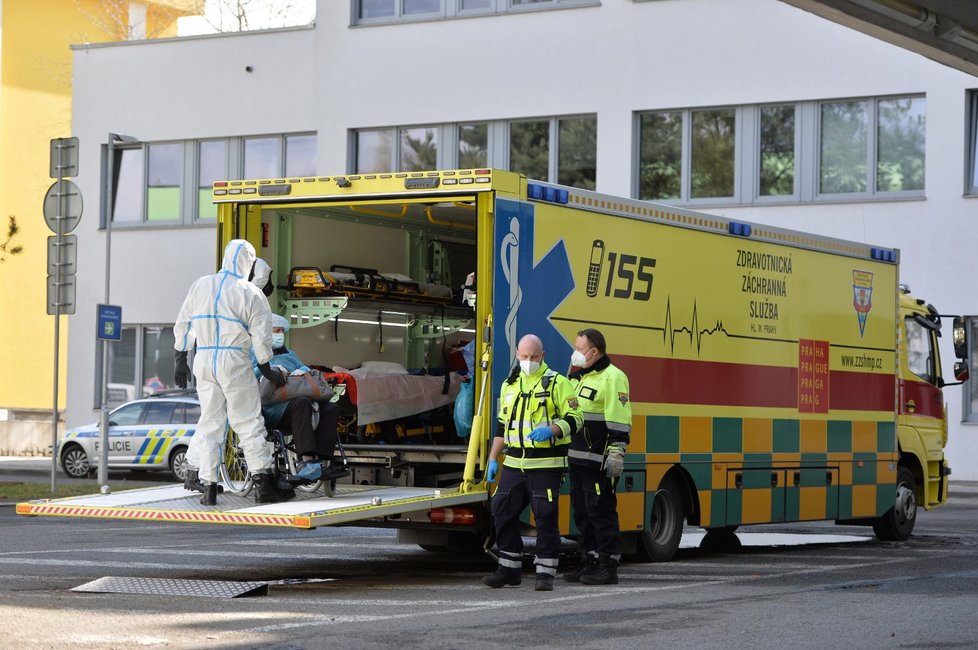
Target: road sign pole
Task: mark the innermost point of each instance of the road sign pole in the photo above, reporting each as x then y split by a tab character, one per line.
57	324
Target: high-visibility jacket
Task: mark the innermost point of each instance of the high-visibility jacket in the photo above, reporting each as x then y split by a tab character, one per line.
602	391
530	401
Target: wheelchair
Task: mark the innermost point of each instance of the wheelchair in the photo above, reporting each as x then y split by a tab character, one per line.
237	479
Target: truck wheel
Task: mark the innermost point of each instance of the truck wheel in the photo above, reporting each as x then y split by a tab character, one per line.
720	539
661	540
897	523
74	461
178	464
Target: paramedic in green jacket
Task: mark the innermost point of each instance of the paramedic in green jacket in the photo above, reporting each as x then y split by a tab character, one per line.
596	457
538	415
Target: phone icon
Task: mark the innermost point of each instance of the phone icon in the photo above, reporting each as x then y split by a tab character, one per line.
594	268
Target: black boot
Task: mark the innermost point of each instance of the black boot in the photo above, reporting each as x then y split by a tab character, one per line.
269	491
545	582
502	578
194	484
210	495
589	562
605	572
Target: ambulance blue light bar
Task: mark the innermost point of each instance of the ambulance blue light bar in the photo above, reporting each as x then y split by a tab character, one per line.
548	194
883	254
739	229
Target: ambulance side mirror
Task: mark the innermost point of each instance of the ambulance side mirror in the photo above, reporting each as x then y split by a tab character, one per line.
961	372
959	335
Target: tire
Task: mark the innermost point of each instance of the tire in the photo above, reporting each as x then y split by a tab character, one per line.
234	470
898	522
74	462
719	540
178	464
660	541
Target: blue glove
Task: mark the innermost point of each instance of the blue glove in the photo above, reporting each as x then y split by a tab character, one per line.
541	433
491	471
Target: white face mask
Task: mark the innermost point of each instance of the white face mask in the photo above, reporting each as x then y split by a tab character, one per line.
278	340
578	359
529	367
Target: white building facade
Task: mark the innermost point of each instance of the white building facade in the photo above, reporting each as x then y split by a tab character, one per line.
751	109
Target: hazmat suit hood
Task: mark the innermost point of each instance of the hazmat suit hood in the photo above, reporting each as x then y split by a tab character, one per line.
262	276
239	257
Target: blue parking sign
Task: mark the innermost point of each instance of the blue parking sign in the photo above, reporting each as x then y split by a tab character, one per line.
109	325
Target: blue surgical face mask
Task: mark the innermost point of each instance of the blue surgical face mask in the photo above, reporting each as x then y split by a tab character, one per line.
278	340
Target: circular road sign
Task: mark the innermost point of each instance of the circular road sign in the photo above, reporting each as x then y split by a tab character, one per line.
62	204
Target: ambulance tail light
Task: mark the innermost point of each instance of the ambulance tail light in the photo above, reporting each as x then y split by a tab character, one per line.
454	516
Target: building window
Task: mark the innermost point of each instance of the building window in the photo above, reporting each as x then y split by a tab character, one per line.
262	158
300	156
418	149
529	149
374	151
843	147
660	155
776	160
367	12
127	200
141	363
577	152
801	152
473	145
900	144
971	182
712	154
212	166
165	175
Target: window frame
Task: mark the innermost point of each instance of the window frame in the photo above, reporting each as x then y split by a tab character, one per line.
971	145
450	9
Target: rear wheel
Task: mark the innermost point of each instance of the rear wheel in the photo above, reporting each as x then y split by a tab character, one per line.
898	522
234	469
661	540
74	461
178	464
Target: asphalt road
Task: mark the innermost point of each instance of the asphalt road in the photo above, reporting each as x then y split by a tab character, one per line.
803	586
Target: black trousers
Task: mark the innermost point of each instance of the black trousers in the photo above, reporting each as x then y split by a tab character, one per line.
516	489
595	510
297	417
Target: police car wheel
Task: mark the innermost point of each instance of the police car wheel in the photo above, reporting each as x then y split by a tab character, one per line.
74	462
178	464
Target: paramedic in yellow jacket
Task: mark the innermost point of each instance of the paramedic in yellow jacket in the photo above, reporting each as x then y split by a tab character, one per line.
538	415
596	457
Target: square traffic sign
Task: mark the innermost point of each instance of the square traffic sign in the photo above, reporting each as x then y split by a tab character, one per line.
109	325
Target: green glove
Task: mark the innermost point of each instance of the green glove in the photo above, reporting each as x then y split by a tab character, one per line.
614	464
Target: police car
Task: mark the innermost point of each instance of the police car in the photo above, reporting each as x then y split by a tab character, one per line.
151	434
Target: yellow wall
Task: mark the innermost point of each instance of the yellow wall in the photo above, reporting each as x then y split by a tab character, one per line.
35	106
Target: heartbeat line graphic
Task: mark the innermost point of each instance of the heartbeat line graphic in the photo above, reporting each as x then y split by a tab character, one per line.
691	330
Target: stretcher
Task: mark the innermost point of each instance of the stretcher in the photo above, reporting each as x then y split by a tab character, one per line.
358	282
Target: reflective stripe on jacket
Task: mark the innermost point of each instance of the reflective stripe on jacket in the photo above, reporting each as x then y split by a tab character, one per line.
532	401
602	391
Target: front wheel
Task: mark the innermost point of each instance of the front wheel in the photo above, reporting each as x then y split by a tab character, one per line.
660	540
74	461
178	464
898	522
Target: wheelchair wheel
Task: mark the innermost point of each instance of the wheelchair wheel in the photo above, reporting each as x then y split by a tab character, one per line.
234	470
293	467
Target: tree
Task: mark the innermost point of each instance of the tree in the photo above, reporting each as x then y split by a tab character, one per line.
5	248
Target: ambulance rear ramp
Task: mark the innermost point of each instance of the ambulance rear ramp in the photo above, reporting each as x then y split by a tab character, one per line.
173	503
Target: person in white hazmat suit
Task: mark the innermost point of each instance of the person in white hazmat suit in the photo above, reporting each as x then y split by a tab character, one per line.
227	316
262	278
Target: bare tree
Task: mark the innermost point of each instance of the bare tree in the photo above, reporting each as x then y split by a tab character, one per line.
118	20
5	248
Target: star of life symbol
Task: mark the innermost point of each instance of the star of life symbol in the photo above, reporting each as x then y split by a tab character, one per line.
862	296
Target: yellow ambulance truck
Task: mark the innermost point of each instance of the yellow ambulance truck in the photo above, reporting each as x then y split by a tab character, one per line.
776	376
